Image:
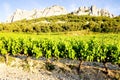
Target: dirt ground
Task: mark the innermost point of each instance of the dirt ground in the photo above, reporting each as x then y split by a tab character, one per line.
22	68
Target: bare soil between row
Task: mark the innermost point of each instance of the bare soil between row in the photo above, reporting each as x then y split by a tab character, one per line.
23	68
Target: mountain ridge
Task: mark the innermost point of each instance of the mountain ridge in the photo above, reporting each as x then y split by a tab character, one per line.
54	10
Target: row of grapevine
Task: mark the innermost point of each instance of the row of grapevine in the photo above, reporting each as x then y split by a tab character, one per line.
73	48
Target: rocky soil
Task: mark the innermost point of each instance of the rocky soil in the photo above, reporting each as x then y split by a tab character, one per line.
22	68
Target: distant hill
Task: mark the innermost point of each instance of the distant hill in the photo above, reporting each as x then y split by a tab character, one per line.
56	10
63	23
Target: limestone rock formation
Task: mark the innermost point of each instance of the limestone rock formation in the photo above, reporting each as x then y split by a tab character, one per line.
36	13
56	10
93	11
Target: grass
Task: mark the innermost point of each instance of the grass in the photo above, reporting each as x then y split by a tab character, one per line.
2	59
10	59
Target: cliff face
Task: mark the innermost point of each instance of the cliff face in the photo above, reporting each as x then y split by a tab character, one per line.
93	11
56	10
35	13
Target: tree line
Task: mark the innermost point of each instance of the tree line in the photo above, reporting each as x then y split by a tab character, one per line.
64	23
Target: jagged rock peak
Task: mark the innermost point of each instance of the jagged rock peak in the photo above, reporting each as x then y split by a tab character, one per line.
20	14
93	11
36	13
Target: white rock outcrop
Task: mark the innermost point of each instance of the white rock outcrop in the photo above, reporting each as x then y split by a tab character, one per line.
36	13
93	11
56	10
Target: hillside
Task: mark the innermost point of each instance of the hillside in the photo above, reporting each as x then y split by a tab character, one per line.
63	23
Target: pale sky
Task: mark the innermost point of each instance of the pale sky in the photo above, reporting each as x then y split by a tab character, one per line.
7	7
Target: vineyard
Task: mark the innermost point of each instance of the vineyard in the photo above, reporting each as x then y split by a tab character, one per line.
99	48
55	44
